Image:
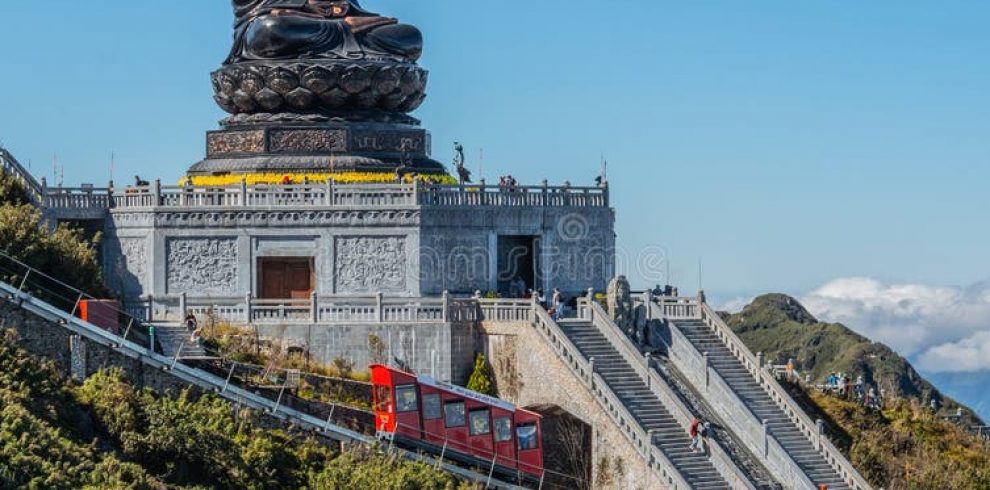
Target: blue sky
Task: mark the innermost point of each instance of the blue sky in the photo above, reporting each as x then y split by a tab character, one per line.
783	144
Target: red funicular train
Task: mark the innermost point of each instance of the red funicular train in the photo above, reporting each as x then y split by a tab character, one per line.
465	426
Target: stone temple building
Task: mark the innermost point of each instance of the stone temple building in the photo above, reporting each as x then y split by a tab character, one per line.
318	202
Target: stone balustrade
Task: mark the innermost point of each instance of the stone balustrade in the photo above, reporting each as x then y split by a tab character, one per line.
317	309
10	166
330	195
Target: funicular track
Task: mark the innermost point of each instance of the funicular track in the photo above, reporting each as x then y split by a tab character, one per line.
49	299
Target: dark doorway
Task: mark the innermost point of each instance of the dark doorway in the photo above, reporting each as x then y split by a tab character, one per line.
518	264
285	278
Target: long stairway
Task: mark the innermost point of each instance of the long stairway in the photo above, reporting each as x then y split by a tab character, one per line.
758	400
643	405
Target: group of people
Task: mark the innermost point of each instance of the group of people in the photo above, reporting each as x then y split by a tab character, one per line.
666	291
555	305
508	183
842	385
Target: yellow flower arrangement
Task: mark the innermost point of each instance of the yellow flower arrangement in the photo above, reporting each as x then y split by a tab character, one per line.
227	180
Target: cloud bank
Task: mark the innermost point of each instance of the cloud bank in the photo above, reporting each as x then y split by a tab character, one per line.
945	329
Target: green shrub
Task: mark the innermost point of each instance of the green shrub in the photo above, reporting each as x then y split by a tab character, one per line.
481	378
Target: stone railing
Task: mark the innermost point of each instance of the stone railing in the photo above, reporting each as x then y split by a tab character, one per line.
327	195
506	310
747	426
322	310
719	457
529	196
783	400
10	166
584	370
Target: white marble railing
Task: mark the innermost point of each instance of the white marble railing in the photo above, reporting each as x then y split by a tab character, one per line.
584	370
12	167
719	457
315	310
321	196
783	400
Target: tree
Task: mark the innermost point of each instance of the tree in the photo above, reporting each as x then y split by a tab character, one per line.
481	378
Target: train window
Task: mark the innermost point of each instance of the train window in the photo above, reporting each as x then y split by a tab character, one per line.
431	407
503	429
526	434
383	398
454	414
480	422
405	399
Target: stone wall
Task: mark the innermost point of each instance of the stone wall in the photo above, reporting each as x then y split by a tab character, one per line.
442	350
406	251
529	374
54	342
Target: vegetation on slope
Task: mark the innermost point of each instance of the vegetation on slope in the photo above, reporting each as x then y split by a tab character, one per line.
62	252
905	445
107	434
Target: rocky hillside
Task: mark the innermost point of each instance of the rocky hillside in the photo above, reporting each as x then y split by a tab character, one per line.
782	329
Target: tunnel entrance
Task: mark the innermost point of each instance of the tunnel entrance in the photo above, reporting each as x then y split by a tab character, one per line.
566	448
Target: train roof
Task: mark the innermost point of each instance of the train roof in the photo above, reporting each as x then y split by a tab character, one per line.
466	393
459	390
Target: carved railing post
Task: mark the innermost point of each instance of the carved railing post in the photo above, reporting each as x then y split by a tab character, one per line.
247	308
379	307
446	306
314	308
244	192
591	373
158	192
183	307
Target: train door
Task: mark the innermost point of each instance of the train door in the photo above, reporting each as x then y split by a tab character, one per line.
529	442
455	423
502	436
407	417
433	423
480	430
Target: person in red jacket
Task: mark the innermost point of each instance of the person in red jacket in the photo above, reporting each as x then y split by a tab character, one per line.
695	433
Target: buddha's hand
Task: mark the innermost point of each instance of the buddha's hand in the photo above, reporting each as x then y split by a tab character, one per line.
364	24
294	13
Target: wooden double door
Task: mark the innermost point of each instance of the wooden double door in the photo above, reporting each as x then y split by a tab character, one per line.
286	278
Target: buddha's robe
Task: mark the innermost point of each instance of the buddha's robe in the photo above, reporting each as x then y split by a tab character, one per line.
289	29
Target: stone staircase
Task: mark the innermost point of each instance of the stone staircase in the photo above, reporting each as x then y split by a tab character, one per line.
799	447
175	336
644	406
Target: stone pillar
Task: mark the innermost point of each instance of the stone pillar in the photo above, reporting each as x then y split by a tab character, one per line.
446	306
183	307
247	308
244	194
314	308
77	358
379	307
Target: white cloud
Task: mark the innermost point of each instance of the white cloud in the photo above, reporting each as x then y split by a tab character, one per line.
734	305
947	329
966	355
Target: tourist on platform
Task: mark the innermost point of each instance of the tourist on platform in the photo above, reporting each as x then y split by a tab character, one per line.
860	384
192	325
558	304
139	182
541	297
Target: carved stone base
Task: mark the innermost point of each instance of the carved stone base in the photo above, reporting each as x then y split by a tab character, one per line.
319	86
332	146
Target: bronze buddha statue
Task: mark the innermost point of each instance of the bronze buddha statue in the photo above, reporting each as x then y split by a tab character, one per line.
327	29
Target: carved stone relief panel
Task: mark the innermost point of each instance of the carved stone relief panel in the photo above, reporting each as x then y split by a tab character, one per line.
365	265
202	266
